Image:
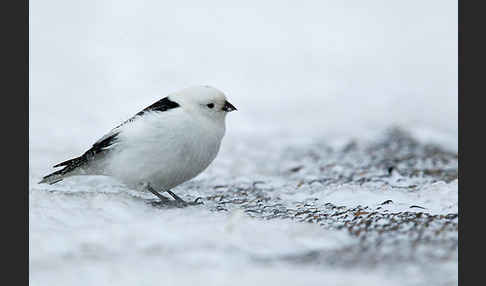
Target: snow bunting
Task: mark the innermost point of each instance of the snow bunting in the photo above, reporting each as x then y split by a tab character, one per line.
162	146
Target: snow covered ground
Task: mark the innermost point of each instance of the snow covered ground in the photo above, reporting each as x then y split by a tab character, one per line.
311	186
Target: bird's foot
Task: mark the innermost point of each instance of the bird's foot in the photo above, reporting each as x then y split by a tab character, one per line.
176	203
182	203
166	202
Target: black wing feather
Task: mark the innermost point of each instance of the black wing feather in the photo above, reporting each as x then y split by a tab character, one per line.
162	105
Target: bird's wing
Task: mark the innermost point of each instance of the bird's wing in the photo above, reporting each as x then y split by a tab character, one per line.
105	143
100	146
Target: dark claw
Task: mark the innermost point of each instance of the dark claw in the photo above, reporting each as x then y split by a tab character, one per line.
196	201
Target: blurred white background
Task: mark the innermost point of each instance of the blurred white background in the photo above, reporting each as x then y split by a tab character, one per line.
336	69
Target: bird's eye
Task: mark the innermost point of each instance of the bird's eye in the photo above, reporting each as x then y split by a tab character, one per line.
210	105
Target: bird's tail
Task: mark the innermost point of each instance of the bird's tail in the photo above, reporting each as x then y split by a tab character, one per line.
59	175
52	178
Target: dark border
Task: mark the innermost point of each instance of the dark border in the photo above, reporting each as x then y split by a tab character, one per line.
460	18
15	142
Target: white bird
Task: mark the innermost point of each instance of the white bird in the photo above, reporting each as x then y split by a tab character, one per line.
164	145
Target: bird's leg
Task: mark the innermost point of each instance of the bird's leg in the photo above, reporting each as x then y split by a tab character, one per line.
162	198
184	203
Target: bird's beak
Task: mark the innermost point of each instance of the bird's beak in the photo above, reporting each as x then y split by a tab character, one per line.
228	107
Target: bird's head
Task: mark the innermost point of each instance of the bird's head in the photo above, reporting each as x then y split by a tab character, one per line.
203	100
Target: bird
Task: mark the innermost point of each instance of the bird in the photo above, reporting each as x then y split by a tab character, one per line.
162	146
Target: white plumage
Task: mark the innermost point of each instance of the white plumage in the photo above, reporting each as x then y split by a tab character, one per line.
166	144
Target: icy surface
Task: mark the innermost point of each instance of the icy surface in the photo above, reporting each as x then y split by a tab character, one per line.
313	185
378	213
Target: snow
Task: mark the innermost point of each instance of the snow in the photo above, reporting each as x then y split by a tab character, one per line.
316	86
98	238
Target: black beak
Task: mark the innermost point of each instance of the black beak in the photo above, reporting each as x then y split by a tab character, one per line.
228	107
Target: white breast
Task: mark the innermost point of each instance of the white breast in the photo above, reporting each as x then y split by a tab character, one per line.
164	149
